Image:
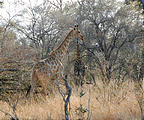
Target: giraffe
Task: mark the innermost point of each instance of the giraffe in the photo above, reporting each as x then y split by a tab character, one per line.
79	67
51	68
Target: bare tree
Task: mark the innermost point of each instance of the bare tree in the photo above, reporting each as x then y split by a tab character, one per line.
108	35
40	32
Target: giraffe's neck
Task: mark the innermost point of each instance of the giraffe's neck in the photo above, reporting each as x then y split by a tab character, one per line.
61	50
78	52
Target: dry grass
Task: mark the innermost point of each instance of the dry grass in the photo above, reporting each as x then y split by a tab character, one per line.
106	103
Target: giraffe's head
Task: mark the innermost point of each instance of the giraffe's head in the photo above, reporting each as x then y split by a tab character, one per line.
77	33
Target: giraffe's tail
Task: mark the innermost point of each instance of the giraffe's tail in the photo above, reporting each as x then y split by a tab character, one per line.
28	91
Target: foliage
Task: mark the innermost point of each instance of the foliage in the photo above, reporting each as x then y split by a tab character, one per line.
138	4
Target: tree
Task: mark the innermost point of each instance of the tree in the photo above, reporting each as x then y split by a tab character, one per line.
112	29
47	24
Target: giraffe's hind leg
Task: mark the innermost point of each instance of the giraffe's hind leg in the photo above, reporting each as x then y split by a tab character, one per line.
33	83
43	81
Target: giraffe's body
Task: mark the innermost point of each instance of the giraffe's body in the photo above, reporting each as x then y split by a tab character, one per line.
79	67
52	68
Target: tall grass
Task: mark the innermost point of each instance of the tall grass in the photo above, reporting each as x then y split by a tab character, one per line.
105	103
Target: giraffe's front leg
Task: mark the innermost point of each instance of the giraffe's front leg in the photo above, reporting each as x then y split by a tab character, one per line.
63	84
44	92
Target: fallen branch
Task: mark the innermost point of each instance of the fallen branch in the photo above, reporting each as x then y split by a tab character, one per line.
8	69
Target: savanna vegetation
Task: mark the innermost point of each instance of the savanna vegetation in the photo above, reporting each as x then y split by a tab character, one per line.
111	52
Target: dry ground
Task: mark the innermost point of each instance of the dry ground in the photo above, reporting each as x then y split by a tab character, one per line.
105	103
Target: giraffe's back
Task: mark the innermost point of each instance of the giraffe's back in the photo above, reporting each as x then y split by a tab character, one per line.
50	68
